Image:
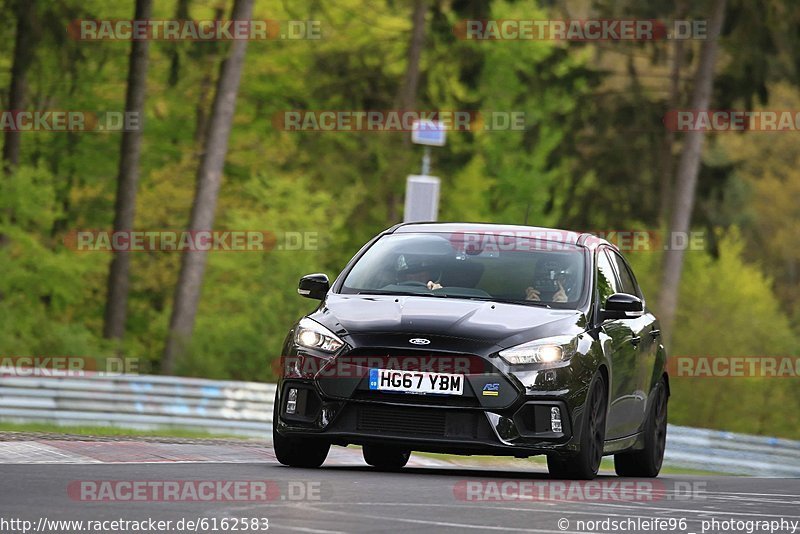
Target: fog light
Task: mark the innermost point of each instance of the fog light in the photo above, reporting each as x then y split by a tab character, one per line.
291	401
555	419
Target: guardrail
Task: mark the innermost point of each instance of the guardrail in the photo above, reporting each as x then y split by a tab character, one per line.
141	402
245	408
727	452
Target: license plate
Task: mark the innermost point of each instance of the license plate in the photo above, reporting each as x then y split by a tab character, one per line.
416	382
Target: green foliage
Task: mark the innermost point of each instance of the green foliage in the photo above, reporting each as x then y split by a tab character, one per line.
44	307
249	298
727	309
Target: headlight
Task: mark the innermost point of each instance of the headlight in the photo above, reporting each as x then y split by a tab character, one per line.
312	335
547	350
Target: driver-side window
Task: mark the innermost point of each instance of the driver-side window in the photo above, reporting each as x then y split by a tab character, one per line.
606	281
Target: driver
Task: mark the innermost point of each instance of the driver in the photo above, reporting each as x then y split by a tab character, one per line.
418	270
553	281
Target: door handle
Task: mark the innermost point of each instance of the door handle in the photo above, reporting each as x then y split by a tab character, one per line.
655	333
635	340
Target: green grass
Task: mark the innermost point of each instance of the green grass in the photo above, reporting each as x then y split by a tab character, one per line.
109	431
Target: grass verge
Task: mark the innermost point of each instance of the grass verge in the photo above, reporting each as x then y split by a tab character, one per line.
110	431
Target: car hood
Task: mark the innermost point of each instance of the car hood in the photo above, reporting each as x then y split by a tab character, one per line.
492	322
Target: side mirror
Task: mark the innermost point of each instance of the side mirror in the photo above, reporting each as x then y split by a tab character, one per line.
314	286
621	306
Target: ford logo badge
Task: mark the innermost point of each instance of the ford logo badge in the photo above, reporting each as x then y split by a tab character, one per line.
419	341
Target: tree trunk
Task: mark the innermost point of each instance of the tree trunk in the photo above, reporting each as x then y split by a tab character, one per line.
181	13
23	55
665	176
407	95
209	176
207	59
127	182
688	170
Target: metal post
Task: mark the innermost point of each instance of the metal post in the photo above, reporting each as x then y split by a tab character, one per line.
426	161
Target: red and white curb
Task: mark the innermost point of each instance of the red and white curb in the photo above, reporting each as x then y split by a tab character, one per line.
136	452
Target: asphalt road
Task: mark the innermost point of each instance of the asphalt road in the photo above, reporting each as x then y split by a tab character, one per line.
346	496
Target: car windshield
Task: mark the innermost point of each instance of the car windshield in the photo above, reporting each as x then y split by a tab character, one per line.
503	268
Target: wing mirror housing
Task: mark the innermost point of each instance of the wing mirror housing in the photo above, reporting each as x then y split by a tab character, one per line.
622	306
314	286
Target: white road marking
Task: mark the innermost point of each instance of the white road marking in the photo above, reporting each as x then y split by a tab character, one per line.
32	452
306	529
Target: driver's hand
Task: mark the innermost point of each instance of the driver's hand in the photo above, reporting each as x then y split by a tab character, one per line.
560	295
433	285
532	294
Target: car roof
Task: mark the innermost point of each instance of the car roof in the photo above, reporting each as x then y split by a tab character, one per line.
581	239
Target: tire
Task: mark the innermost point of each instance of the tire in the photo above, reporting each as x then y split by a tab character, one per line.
297	452
386	457
646	463
585	464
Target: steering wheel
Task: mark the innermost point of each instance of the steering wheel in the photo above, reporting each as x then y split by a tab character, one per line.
415	283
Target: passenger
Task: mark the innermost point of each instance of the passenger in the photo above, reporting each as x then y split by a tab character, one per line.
552	282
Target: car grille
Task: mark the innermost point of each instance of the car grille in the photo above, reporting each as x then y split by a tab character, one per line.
410	422
466	401
402	421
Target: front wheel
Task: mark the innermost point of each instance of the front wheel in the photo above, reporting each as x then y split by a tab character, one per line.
299	453
296	452
386	457
647	462
585	464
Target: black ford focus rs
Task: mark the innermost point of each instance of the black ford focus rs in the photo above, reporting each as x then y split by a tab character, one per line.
477	339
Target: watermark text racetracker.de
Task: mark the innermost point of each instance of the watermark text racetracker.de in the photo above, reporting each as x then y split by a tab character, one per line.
396	120
190	240
194	30
66	366
9	525
123	491
732	120
58	120
579	30
627	240
754	366
358	366
579	491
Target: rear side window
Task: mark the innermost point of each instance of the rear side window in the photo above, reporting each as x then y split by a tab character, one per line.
606	280
627	284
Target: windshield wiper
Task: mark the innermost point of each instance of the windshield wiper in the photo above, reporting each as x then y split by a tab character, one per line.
400	293
454	296
507	301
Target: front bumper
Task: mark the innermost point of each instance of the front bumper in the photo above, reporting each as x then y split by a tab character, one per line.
503	410
523	428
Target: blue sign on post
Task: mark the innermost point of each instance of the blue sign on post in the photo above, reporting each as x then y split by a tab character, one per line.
428	132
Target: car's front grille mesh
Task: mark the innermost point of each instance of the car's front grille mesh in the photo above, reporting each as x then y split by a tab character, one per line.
468	400
403	421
